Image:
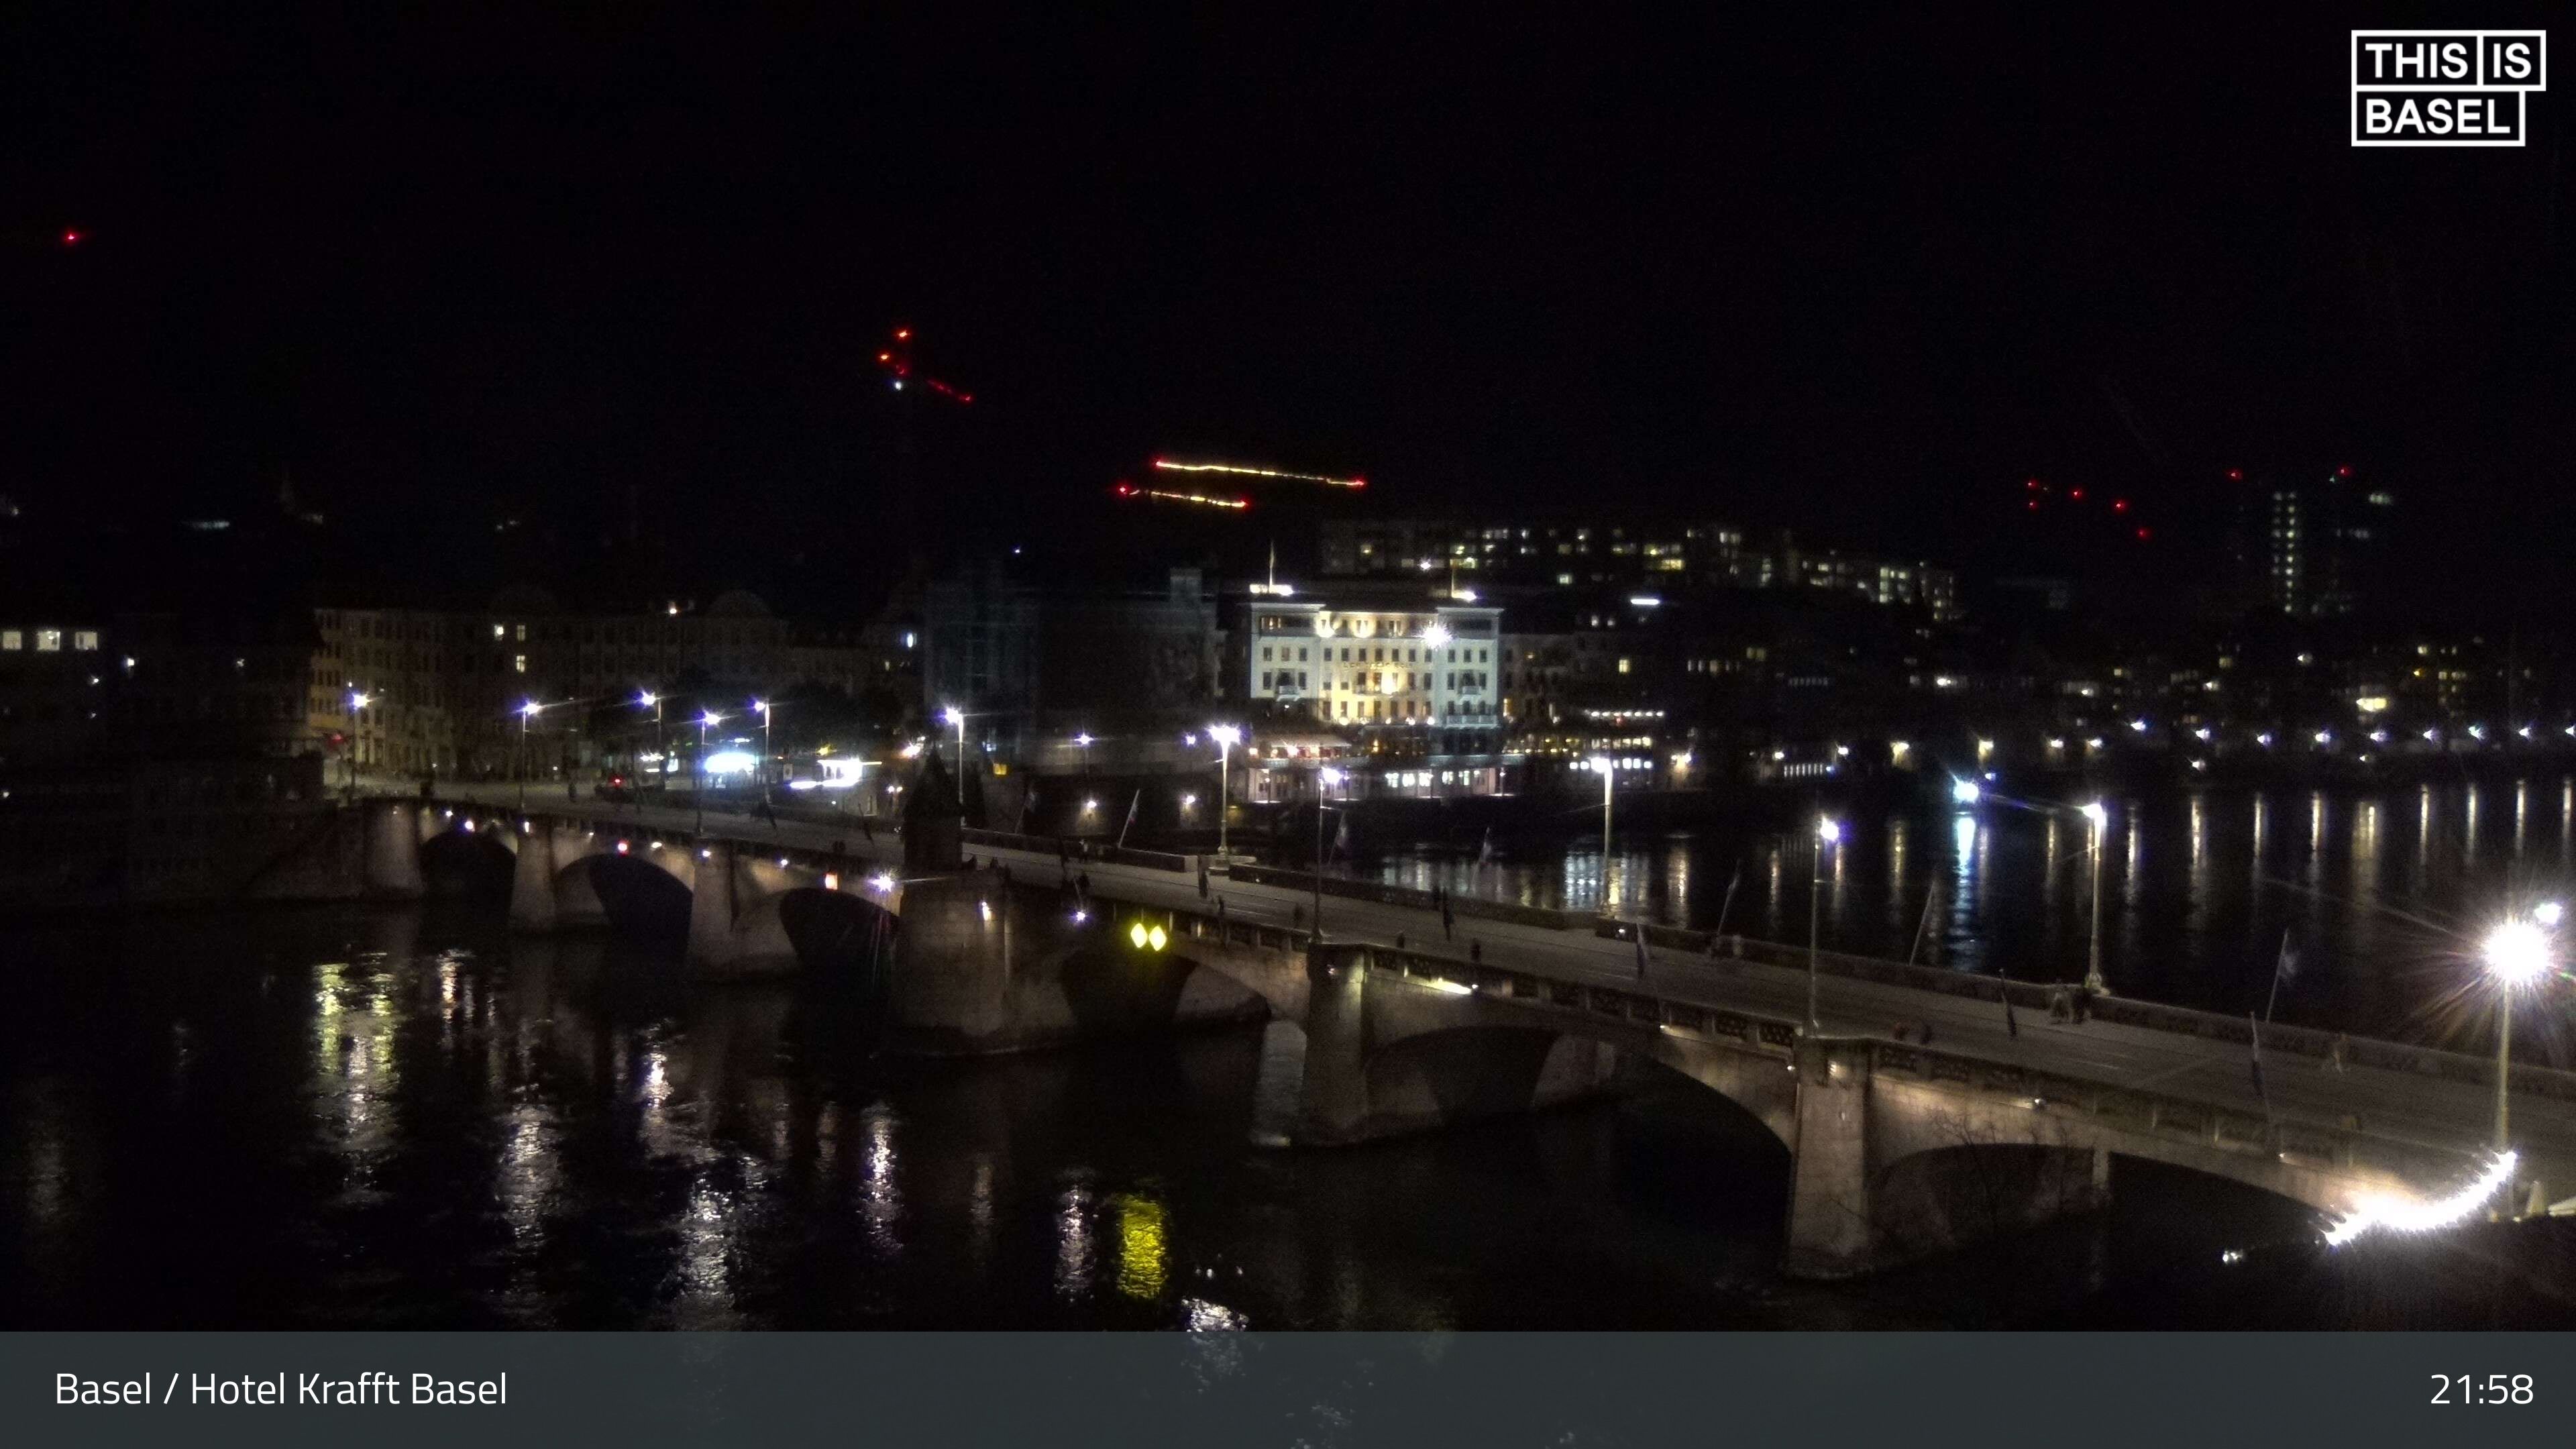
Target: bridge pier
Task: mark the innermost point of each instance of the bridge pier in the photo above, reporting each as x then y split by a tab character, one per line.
1333	1099
1832	1231
711	907
393	850
532	879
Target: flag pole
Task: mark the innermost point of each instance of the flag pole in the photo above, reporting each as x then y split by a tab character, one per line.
1733	879
2277	963
1929	894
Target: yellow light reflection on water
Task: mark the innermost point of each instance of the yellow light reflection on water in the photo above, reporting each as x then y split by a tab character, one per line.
1140	1245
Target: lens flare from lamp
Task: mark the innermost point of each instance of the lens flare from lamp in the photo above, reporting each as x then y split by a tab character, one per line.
2425	1217
2516	953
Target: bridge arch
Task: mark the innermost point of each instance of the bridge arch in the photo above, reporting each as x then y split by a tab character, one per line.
460	861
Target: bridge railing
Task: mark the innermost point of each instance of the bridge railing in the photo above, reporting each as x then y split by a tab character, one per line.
1073	849
2349	1145
2044	995
1473	907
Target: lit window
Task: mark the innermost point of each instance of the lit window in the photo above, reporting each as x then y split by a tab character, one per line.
520	663
12	640
85	639
49	641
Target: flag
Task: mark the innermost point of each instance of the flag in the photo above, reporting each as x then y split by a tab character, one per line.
1342	835
2254	1043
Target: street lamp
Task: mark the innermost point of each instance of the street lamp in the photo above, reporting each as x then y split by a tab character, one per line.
2517	953
1828	831
762	705
1965	792
1324	779
527	712
2093	980
698	781
358	700
955	716
1084	741
1226	737
1607	768
647	699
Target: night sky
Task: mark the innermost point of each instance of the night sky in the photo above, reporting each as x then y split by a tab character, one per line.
1860	278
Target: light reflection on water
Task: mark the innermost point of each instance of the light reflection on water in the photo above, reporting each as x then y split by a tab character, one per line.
395	1120
2197	889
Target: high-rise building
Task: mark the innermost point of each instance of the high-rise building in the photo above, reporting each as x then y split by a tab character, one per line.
1581	555
2313	549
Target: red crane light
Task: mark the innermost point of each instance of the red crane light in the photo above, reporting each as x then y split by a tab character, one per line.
71	238
2075	493
2119	505
2344	472
903	334
2235	475
2142	535
2032	505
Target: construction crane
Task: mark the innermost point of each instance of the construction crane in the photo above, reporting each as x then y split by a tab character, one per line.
895	360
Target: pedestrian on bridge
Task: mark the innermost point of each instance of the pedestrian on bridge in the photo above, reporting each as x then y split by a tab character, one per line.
1476	953
1448	921
1203	878
1220	913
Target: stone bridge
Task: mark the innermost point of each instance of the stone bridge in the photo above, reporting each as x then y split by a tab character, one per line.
1895	1149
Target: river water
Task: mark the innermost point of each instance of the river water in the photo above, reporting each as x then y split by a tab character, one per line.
2378	894
383	1118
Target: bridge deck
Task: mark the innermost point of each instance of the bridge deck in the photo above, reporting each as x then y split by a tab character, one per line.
2406	1107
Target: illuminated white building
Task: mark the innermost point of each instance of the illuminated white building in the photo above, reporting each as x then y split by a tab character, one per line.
1410	680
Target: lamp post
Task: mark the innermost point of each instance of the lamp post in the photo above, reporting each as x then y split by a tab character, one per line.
1606	767
2093	980
1325	777
955	716
649	700
1225	737
358	701
762	705
1828	831
698	784
1084	742
2517	954
527	712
